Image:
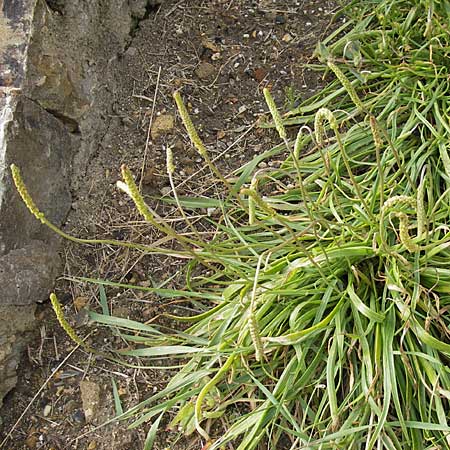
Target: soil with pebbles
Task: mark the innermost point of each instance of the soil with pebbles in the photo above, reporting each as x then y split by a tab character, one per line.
220	54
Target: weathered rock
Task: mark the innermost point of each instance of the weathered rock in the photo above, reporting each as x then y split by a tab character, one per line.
90	397
15	27
27	273
16	321
41	146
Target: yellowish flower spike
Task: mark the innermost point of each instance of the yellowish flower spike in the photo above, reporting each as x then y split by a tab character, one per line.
187	122
375	133
251	201
405	238
347	85
259	201
421	211
195	139
398	200
133	192
23	192
275	113
129	187
169	161
322	115
65	325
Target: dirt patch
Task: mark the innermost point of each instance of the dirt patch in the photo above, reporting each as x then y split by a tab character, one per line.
220	54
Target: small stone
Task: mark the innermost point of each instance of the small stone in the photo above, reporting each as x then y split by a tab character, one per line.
92	445
280	19
287	38
165	190
131	52
220	134
80	302
210	45
90	396
205	70
216	56
242	109
47	410
162	125
78	416
259	73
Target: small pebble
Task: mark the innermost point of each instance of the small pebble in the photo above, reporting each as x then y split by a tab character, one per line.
280	19
165	190
78	416
47	410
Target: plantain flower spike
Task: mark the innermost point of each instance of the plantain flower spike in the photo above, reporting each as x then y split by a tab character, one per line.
398	200
64	324
187	122
347	85
169	161
405	238
24	194
322	115
275	113
378	141
129	186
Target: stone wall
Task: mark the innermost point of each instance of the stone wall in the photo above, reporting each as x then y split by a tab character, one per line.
55	90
